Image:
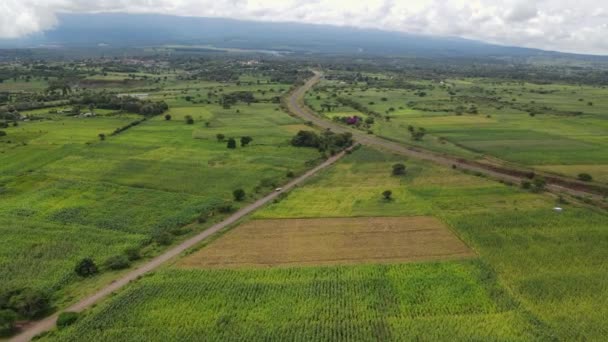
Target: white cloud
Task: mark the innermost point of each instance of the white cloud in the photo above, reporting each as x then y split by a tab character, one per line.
546	24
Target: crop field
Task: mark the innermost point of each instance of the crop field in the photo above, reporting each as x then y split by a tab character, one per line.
290	242
66	194
539	275
545	126
360	303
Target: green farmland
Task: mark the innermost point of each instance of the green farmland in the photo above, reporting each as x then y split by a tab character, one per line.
558	128
67	195
539	275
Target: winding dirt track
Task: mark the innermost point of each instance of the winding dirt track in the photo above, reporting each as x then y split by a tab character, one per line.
295	104
49	323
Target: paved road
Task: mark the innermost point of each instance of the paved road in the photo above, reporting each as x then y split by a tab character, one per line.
295	104
49	322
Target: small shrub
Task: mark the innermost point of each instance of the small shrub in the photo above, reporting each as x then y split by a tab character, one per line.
168	117
86	268
2	133
189	120
387	195
290	174
7	322
231	143
239	195
118	262
225	208
398	169
66	319
163	238
133	254
585	177
526	184
102	136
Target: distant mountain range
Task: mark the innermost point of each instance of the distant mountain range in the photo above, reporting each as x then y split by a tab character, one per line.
141	30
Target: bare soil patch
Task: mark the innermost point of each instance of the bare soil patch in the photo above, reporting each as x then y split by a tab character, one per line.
328	241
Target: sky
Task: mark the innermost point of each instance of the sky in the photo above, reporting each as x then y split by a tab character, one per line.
579	26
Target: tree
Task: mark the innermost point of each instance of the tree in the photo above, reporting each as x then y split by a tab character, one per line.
86	268
65	319
231	143
118	262
417	134
246	140
585	177
398	169
189	120
168	117
29	303
239	195
387	194
7	322
220	137
102	136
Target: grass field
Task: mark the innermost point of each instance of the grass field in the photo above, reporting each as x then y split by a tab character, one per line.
66	195
540	275
295	242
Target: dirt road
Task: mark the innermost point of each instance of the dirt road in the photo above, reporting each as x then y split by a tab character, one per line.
296	106
49	322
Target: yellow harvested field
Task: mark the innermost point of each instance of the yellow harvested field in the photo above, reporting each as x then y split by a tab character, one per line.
329	241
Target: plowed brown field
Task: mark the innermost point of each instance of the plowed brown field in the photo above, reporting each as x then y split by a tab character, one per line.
286	242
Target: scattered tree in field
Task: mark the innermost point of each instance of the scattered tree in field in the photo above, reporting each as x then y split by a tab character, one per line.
239	195
220	137
86	268
118	262
246	140
585	177
102	136
231	143
398	169
168	117
387	195
66	319
7	322
418	134
189	120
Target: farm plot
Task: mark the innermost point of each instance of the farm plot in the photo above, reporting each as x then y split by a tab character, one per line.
331	241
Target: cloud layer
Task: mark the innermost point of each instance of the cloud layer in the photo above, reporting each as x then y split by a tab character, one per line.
545	24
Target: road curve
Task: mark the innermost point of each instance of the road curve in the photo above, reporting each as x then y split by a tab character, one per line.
48	323
295	104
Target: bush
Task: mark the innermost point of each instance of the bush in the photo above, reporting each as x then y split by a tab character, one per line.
585	177
239	195
102	136
7	322
2	133
398	169
133	254
290	174
387	195
231	143
225	208
526	184
118	262
66	319
189	120
163	238
246	140
29	303
168	117
220	137
86	268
